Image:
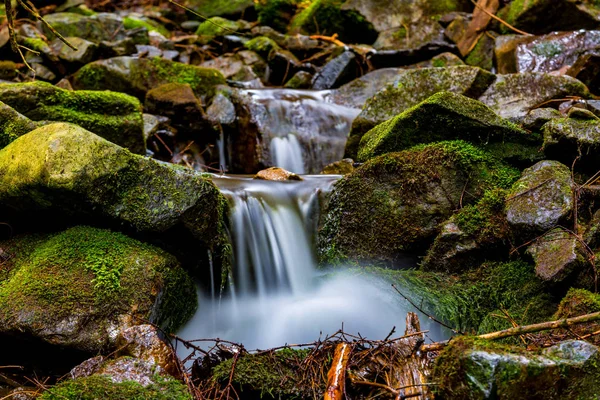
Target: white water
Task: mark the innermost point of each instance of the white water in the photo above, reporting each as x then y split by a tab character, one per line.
302	129
279	296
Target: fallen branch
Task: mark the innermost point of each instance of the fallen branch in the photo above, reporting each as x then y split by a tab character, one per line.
331	39
336	377
521	330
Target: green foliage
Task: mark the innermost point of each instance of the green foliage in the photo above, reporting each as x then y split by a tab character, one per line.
98	387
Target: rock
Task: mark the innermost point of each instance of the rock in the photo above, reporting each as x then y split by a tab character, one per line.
505	95
443	116
282	62
136	76
396	203
64	168
114	116
553	52
475	232
276	13
241	67
219	8
587	70
328	17
300	80
133	20
544	16
493	371
335	73
103	387
541	199
8	70
343	167
85	53
77	288
568	138
557	256
221	110
354	94
415	35
277	174
13	125
215	27
178	102
538	117
482	55
411	88
443	60
144	342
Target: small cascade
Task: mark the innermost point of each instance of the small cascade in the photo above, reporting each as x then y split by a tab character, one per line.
277	294
303	129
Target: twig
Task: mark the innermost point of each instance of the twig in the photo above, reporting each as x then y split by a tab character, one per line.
31	8
331	39
503	22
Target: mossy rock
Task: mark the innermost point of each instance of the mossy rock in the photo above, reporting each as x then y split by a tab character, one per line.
395	203
409	89
540	200
471	368
274	375
65	168
134	21
505	95
136	76
327	17
443	116
114	116
482	55
13	124
99	387
566	139
8	70
262	46
76	287
215	27
276	13
220	8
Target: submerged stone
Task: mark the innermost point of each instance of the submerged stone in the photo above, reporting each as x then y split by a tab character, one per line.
409	89
136	76
79	287
541	199
396	203
277	174
113	116
443	116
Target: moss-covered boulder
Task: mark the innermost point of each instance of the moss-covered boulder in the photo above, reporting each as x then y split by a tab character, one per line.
544	16
215	27
328	17
409	89
443	116
103	387
505	95
136	76
576	137
476	232
471	368
541	199
13	124
116	117
397	202
558	256
64	168
77	288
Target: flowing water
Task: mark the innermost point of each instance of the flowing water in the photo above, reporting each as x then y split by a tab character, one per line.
278	295
302	129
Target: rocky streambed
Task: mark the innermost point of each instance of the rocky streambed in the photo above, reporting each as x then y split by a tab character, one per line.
463	159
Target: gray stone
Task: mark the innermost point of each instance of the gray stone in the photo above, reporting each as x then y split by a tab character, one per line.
335	73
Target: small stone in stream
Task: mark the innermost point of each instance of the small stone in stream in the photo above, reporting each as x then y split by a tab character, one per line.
536	118
301	80
277	174
343	167
221	110
505	95
85	53
335	73
541	199
558	255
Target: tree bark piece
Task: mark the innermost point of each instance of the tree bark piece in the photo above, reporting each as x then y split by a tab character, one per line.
336	376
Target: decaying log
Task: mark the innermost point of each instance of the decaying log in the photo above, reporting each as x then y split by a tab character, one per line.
337	373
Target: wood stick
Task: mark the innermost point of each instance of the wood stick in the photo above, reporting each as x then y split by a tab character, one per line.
336	377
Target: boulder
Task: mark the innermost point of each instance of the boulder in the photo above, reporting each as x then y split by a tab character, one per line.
576	137
62	168
116	117
471	368
13	124
136	76
78	288
277	174
409	89
336	72
541	199
354	94
558	255
505	95
396	203
443	116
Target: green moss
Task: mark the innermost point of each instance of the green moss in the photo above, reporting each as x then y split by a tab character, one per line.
262	45
326	17
219	8
12	125
272	375
102	387
215	27
578	302
443	116
482	54
96	271
132	22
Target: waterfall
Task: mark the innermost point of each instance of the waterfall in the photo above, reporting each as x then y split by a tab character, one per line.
277	294
302	129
